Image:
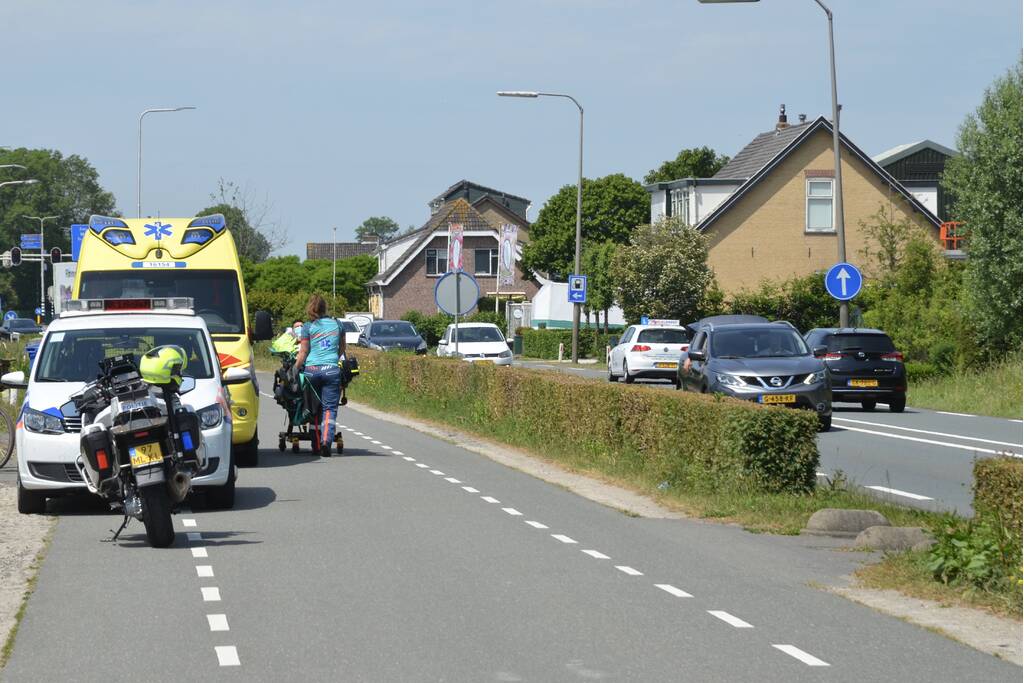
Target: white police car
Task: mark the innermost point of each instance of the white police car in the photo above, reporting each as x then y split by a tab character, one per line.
47	441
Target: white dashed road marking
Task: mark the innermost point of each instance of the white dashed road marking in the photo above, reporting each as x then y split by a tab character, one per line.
470	489
437	472
453	480
375	442
419	464
536	525
227	655
672	590
204	571
218	622
897	492
368	438
488	499
628	570
210	594
596	554
188	522
387	448
357	433
729	619
408	458
563	538
199	552
513	512
793	651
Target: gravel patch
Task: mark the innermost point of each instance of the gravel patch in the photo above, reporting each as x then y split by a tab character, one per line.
22	538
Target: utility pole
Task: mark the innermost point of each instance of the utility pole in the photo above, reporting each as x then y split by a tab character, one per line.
42	259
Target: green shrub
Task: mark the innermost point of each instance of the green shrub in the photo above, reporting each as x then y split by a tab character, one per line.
802	301
544	343
978	554
919	370
691	441
998	491
287	306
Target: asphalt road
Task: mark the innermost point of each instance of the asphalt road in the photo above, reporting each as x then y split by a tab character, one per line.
919	457
411	559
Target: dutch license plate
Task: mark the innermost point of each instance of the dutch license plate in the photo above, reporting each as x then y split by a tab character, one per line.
664	365
778	398
146	454
863	382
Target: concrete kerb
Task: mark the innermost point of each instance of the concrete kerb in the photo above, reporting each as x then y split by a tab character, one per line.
893	538
843	523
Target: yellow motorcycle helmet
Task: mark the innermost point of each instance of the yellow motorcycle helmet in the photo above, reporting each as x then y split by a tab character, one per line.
162	365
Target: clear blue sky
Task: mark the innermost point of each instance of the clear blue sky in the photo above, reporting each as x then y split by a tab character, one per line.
342	110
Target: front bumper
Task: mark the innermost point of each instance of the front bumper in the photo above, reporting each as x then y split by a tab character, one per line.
218	456
816	397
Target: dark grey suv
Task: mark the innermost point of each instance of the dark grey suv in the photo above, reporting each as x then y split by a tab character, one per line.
763	362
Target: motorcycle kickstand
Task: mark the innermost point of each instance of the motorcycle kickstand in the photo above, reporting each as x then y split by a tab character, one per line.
127	518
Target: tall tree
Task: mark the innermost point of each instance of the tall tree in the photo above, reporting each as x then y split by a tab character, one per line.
381	227
695	162
986	183
256	235
597	265
663	272
612	207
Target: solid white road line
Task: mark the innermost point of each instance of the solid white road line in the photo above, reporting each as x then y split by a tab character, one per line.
199	552
973	449
897	492
925	431
470	489
204	571
563	538
194	536
188	523
628	570
452	480
513	512
438	472
420	464
218	622
488	499
227	655
793	651
409	459
729	619
596	554
946	412
210	594
536	525
672	590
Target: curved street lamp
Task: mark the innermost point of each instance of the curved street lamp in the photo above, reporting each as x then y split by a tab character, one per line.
156	110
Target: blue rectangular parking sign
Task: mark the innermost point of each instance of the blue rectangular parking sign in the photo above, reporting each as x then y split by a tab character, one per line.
77	233
577	289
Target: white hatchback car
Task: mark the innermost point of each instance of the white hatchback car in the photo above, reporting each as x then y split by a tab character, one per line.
648	351
477	341
47	441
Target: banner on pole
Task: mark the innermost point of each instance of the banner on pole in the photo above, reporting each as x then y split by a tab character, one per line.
507	255
454	247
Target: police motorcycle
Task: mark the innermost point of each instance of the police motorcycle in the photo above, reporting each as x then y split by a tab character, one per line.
140	447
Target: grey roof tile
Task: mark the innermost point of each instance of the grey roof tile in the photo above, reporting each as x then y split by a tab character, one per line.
760	151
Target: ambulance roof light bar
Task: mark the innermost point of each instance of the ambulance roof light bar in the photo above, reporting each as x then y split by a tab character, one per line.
176	303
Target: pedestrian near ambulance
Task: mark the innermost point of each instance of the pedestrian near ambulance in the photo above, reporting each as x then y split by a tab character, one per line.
321	346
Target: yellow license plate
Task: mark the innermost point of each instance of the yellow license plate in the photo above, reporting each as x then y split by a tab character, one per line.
146	454
664	365
778	398
863	382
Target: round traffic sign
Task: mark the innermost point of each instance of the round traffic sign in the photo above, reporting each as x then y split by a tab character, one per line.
456	293
10	315
843	281
39	311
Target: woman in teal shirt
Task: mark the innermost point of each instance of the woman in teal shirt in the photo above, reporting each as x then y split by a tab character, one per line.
321	346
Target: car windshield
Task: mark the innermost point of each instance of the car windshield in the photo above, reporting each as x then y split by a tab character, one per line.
215	292
348	326
23	324
479	334
870	343
664	336
74	355
777	342
392	329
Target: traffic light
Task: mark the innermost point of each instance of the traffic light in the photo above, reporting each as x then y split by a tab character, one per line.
15	256
55	255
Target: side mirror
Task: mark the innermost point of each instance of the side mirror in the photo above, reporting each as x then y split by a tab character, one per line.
613	341
442	342
188	384
696	355
264	326
819	351
234	376
14	380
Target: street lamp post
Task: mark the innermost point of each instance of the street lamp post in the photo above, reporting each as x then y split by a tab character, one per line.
142	116
844	307
31	181
42	259
579	206
11	165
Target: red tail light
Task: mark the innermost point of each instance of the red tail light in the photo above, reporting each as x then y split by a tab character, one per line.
101	459
684	347
640	347
894	356
832	356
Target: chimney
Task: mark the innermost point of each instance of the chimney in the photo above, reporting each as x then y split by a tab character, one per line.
783	123
803	118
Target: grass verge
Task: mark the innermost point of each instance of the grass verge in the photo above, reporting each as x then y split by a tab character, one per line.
995	391
908	573
30	587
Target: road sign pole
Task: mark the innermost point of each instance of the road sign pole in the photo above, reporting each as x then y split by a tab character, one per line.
458	307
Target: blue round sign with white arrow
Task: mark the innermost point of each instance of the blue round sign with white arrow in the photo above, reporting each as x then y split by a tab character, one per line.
843	281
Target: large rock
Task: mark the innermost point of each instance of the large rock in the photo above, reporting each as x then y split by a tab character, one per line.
891	537
845	523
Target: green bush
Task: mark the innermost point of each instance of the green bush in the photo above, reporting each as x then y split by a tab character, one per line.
691	441
287	306
544	343
998	491
918	370
802	301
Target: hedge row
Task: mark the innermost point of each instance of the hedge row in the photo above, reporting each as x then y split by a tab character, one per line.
998	491
544	343
691	441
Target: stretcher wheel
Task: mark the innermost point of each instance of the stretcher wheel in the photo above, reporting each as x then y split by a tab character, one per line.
340	444
280	445
295	445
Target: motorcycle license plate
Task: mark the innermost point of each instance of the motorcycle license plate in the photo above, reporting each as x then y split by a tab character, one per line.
664	365
146	454
778	398
863	382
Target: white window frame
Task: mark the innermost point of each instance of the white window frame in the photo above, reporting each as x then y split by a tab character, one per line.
679	200
807	205
492	262
435	255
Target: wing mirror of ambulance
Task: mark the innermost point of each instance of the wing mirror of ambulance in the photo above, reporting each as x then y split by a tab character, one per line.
263	326
236	376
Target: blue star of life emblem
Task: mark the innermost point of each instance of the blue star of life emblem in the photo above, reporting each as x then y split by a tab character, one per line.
158	230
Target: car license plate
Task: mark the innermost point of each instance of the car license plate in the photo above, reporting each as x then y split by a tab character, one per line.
778	398
664	365
863	382
146	454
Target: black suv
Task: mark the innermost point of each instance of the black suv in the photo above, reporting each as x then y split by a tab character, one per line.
864	364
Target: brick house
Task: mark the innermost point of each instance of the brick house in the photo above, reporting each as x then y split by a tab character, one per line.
326	251
769	213
409	267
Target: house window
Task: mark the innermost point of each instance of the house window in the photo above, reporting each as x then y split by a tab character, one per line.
681	204
485	261
820	211
437	261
